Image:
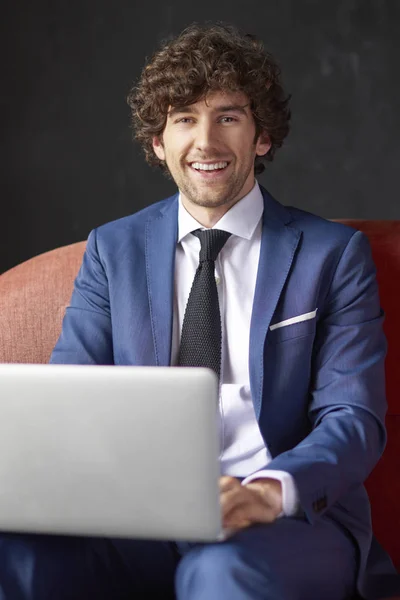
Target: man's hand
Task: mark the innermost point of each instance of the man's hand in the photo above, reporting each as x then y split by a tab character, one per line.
260	501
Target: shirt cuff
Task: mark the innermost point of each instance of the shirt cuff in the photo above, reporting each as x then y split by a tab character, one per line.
290	494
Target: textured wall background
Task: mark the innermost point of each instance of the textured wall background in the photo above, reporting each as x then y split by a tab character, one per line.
68	163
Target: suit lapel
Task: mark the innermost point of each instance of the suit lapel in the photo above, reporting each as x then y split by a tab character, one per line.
278	246
160	247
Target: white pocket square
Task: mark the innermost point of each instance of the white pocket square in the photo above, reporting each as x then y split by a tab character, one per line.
293	320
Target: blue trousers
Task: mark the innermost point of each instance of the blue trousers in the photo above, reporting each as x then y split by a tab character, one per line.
288	560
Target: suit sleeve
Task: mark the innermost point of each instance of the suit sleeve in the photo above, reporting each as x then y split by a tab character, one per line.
86	336
347	393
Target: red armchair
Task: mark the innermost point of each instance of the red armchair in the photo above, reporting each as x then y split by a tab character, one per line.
383	484
33	297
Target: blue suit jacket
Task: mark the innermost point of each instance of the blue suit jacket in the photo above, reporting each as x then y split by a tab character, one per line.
317	385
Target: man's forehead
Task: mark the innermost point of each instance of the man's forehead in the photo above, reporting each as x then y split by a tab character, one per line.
215	101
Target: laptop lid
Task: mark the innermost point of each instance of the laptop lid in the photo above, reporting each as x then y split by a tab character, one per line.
110	451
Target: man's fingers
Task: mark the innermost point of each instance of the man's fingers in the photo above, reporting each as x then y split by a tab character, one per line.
243	505
236	501
247	514
236	496
227	483
231	498
237	518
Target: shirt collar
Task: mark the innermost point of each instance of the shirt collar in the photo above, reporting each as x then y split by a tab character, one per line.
241	220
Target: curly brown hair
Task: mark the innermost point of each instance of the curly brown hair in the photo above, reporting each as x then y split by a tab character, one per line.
202	60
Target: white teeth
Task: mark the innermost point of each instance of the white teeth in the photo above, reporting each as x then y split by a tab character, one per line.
204	167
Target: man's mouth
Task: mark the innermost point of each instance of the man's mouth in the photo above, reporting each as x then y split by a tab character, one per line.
208	169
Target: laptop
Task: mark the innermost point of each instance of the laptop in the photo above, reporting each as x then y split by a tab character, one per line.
109	451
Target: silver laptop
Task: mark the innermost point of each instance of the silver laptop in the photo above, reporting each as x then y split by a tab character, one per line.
111	451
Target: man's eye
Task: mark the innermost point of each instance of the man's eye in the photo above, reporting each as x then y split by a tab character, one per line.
228	119
184	120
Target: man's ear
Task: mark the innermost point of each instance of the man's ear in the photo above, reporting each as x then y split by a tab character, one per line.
263	144
158	148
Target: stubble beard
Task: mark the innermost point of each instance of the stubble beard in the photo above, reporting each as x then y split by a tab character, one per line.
213	198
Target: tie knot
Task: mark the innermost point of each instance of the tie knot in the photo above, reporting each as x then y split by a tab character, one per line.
212	241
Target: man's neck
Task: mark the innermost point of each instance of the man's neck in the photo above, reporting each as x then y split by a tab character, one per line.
208	216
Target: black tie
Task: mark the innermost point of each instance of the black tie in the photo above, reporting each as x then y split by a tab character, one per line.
201	330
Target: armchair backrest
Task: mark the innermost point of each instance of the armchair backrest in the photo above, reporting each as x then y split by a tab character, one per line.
33	298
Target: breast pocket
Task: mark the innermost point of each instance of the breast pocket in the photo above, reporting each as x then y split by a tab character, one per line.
292	331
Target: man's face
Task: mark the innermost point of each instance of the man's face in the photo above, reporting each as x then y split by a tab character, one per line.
202	136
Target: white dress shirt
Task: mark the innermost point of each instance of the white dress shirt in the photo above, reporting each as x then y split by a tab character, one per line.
242	449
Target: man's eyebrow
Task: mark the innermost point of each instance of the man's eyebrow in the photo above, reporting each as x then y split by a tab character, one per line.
233	108
177	110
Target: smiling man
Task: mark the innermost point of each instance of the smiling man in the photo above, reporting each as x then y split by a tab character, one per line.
289	320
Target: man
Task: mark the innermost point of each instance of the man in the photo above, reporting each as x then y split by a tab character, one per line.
295	331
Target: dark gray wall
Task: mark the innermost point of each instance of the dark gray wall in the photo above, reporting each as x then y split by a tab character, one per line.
68	163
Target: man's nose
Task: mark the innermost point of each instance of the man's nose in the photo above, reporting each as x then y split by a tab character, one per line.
205	137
